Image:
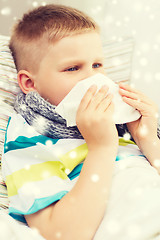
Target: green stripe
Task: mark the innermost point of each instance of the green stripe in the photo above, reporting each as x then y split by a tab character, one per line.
72	158
25	142
123	142
36	172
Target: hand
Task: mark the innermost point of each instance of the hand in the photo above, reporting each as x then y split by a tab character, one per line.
146	126
95	119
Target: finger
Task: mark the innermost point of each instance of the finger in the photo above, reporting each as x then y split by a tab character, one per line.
131	89
87	97
104	104
135	95
98	97
126	93
128	87
143	108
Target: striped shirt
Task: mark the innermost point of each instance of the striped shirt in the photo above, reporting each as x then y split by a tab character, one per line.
39	170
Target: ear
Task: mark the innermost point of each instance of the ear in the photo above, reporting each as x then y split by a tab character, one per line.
26	81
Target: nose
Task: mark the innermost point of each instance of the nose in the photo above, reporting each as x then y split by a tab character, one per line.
88	73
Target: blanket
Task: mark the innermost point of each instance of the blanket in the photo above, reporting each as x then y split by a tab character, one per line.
133	209
12	229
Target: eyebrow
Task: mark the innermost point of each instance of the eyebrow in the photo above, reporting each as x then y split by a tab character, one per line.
77	61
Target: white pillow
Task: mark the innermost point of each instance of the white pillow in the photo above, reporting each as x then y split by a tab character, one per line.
8	90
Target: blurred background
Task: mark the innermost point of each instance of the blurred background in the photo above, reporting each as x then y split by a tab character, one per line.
138	19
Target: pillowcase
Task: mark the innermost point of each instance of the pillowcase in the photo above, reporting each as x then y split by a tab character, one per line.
8	90
118	58
118	55
8	87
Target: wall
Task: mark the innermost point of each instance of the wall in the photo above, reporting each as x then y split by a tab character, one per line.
118	18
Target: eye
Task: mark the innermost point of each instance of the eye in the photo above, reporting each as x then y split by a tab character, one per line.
72	69
97	65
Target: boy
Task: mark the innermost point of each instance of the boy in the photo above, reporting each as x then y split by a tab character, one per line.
54	47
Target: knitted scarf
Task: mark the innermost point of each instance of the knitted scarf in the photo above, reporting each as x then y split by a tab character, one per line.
41	115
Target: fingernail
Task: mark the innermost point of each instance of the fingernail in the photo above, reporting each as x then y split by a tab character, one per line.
122	84
111	95
105	87
93	86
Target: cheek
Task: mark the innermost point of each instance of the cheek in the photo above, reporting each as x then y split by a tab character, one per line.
60	95
56	93
102	70
55	87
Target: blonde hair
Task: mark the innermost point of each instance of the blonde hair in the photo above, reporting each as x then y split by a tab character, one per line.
43	26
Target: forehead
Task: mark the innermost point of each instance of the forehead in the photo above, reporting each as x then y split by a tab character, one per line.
73	50
86	44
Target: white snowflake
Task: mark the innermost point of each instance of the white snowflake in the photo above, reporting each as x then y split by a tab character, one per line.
26	189
143	61
144	130
127	136
109	19
67	171
39	124
114	2
73	154
43	3
35	231
138	6
155	46
120	39
138	191
147	8
156	163
15	18
96	9
6	11
136	74
114	38
30	129
132	85
113	226
148	77
145	47
23	107
157	76
5	233
49	143
27	166
152	16
118	23
157	115
46	174
58	235
116	61
134	32
95	178
127	19
35	4
122	164
72	200
133	231
158	38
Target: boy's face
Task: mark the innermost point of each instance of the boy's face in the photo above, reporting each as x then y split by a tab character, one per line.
68	61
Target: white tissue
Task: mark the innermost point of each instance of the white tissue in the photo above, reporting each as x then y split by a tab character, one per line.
67	108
